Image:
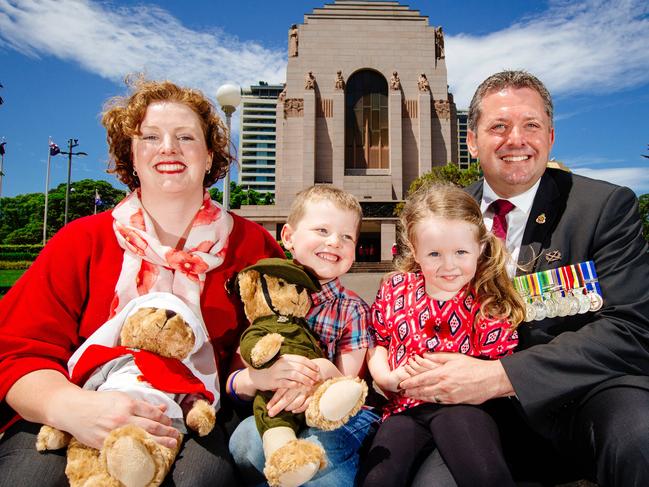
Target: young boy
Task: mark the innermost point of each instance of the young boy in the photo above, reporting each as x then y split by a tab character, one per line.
321	232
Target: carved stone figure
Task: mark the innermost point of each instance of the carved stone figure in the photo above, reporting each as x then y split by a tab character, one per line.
340	82
292	41
443	109
309	81
439	43
282	96
395	82
423	84
293	107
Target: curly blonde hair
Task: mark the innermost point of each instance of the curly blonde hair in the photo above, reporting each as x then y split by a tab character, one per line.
491	284
122	116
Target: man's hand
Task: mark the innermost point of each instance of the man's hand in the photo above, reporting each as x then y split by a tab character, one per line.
454	378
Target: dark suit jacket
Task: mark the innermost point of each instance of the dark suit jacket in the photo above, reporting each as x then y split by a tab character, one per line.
564	360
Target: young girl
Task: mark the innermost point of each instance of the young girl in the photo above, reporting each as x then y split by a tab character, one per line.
452	294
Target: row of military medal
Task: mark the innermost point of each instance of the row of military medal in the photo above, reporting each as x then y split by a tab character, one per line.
564	291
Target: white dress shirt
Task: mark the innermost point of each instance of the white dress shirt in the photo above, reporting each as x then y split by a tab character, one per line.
516	219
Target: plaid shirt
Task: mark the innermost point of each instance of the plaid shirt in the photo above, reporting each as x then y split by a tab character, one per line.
340	318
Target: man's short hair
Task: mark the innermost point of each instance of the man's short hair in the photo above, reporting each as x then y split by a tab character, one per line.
339	198
508	79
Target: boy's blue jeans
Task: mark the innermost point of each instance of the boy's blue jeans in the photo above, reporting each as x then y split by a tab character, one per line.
340	445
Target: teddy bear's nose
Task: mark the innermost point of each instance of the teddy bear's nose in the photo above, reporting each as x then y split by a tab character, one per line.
170	314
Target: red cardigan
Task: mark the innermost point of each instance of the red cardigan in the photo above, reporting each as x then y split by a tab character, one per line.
66	294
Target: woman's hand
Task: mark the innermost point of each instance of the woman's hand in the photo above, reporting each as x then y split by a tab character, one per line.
294	400
289	371
89	416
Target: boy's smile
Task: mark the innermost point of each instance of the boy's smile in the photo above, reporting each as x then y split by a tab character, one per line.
324	239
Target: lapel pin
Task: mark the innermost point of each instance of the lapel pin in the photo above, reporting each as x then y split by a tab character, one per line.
540	219
552	255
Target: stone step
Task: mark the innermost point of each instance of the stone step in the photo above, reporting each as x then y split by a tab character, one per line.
372	267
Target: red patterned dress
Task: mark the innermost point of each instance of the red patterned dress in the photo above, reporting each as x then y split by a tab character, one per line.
407	322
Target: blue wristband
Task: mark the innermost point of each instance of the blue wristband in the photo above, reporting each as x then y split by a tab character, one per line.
233	393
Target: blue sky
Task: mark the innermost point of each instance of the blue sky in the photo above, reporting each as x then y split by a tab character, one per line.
61	59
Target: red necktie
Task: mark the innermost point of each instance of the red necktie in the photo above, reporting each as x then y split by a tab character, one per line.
500	209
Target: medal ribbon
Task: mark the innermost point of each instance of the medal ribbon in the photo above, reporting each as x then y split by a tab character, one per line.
563	279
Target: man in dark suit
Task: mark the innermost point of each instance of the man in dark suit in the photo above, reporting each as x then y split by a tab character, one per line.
576	394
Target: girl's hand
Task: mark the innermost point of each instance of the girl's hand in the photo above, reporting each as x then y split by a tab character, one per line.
90	415
294	400
418	364
394	379
289	371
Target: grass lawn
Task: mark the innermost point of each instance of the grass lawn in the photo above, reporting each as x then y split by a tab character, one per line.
9	276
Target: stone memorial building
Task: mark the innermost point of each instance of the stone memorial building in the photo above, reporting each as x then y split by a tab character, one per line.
366	108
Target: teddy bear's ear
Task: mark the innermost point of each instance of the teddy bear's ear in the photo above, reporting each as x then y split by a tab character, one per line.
248	284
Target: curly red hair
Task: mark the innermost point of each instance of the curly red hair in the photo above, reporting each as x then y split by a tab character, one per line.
122	116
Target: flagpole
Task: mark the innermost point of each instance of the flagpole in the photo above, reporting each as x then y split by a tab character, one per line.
47	189
2	164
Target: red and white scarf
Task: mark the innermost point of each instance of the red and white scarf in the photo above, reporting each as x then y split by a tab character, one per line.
149	266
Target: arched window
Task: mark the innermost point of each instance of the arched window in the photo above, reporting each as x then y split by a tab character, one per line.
366	121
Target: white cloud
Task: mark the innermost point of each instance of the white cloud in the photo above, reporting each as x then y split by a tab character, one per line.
589	46
112	42
586	46
592	160
636	178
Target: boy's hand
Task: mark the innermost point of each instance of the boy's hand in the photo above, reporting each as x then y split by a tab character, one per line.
289	371
327	369
294	400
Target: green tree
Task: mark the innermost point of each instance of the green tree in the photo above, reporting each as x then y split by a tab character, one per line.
21	217
240	196
450	173
29	234
17	213
644	215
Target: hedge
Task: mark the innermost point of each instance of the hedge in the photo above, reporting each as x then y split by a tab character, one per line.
20	264
19	252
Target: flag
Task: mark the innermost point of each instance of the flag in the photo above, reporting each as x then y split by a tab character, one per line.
98	201
54	149
2	148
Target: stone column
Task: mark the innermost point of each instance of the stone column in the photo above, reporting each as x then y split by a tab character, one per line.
271	227
396	146
279	151
443	141
425	135
308	140
388	237
338	139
